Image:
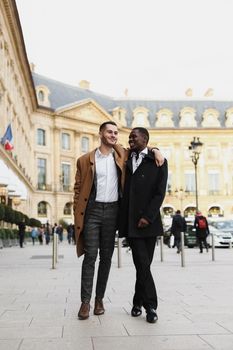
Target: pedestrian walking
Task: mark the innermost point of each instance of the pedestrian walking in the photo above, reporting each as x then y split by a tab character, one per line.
41	234
70	233
47	233
22	228
34	234
202	230
178	225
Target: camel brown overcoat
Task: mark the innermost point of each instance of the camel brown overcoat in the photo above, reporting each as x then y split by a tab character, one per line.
83	184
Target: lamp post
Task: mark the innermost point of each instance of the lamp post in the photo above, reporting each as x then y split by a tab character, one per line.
180	194
195	150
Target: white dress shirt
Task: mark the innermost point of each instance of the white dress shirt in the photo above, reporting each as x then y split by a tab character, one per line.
107	179
136	162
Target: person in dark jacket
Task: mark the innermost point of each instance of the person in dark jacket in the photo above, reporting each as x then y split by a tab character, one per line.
140	220
22	227
202	230
178	226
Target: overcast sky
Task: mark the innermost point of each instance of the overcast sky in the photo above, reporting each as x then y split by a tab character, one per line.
154	48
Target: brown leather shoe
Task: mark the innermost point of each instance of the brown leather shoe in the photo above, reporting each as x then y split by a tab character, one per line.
83	313
99	307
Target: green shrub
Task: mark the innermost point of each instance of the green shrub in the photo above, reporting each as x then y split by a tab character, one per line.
9	215
18	217
2	211
6	233
34	223
27	221
16	232
63	223
2	233
27	234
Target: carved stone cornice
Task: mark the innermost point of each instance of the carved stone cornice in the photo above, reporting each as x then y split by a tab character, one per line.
12	16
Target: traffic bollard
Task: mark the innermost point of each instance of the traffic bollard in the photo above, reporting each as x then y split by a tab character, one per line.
54	258
119	251
161	248
182	250
213	247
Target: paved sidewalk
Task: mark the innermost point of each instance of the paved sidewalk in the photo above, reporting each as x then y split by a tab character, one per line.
38	305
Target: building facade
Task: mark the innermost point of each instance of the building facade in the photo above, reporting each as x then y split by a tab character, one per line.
54	123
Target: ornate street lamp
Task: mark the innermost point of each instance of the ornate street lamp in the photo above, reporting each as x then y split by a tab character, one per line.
195	150
181	195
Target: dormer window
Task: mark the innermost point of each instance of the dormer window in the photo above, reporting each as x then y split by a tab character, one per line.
140	117
164	118
187	117
210	118
229	118
41	95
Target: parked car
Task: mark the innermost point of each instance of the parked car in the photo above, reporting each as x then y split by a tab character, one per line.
221	238
224	225
124	242
190	239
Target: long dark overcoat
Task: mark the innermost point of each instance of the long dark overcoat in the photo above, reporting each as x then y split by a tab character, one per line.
84	179
143	195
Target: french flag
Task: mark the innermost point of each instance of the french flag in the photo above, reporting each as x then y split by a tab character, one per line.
6	140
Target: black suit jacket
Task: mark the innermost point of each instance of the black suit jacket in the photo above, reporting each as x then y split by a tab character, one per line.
143	195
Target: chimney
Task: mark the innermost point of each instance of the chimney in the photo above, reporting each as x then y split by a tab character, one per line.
32	67
84	84
189	92
209	92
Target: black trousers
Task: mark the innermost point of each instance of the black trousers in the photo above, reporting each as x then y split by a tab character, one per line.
99	236
21	239
202	239
145	291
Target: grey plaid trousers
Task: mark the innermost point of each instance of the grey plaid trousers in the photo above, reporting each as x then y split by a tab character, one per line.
99	236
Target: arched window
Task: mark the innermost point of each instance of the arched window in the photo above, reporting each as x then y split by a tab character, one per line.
215	211
42	209
190	211
41	95
168	210
67	209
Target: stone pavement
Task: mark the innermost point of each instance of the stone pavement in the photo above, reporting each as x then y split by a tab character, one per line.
38	305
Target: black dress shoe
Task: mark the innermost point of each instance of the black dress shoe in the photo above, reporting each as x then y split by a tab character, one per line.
136	311
151	315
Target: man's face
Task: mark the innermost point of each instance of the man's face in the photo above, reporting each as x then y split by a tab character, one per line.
109	135
137	140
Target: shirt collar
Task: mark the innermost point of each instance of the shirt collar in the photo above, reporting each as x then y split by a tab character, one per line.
101	155
142	153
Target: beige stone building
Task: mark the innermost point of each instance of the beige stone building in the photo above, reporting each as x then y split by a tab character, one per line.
54	123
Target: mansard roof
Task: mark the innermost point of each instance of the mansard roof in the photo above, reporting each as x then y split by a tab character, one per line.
62	94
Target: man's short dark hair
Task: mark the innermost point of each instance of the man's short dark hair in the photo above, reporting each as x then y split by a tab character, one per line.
143	131
103	126
178	212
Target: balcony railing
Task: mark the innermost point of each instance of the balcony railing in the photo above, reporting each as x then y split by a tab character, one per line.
213	192
57	188
66	188
44	187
